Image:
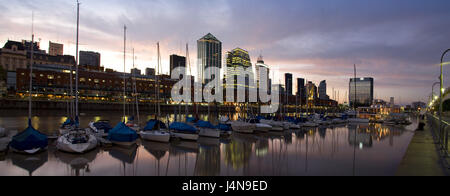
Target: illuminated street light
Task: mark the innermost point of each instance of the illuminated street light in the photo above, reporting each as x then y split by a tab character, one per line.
441	92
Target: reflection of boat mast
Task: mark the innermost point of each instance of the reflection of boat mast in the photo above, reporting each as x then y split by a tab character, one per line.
354	151
306	160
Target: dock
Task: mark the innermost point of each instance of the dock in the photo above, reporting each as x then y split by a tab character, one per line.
422	157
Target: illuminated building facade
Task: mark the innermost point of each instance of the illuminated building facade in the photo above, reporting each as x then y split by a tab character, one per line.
209	54
364	92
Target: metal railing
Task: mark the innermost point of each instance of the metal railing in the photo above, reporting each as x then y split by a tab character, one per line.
440	134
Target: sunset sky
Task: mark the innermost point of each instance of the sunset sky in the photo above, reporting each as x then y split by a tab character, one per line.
398	43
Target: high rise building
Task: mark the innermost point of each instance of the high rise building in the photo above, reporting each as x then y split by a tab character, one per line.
323	90
301	90
55	49
260	64
391	102
311	89
89	58
238	58
288	83
209	54
177	61
364	92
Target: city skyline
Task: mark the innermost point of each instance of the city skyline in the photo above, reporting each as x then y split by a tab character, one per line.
312	40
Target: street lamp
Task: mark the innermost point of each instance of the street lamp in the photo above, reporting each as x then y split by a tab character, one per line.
441	92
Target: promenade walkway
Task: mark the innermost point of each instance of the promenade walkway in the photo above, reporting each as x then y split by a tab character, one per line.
422	158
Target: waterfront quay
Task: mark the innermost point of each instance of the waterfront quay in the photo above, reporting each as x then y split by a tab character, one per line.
426	156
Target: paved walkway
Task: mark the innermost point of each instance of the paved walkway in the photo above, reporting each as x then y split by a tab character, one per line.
421	158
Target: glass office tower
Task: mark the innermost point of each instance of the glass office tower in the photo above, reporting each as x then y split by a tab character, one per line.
364	92
209	54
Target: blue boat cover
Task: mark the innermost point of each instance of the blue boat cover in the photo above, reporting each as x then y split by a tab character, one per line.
69	122
103	125
205	124
223	127
29	139
151	125
122	133
190	119
183	127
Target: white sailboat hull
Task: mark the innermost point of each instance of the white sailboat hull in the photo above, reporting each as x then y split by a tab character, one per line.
261	127
63	144
157	136
206	132
243	127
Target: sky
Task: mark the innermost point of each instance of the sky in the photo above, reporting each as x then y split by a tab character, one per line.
398	43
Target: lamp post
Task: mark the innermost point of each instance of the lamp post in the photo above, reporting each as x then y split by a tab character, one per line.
441	93
433	97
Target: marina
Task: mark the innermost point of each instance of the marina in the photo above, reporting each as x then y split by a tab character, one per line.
346	149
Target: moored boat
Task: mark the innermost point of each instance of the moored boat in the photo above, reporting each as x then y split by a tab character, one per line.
183	131
122	135
206	129
155	130
243	127
29	141
77	141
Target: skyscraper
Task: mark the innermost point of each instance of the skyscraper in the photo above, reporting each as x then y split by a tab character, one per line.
364	92
209	54
177	61
323	90
238	58
260	64
311	89
288	83
301	90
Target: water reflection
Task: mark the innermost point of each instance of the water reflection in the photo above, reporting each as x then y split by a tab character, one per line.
208	157
30	163
79	164
126	155
334	150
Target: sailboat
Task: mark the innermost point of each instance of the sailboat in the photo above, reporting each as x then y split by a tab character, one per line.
76	140
182	130
155	130
131	123
206	129
121	134
354	113
30	141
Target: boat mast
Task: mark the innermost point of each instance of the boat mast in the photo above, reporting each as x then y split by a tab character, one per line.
76	63
124	69
157	81
188	63
135	92
31	67
354	81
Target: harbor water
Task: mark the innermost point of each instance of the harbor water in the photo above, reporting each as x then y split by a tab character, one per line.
349	150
